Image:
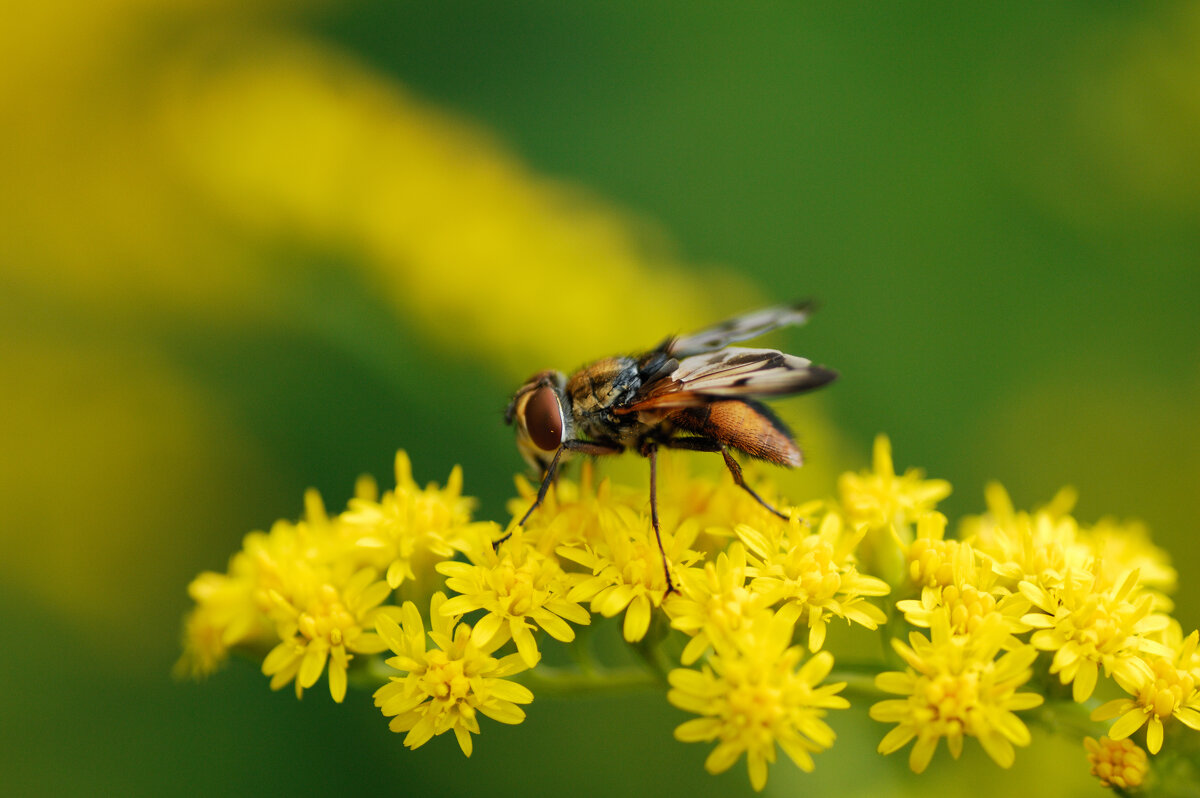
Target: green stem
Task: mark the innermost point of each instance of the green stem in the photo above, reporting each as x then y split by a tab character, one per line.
1068	719
651	651
860	681
369	673
581	650
547	680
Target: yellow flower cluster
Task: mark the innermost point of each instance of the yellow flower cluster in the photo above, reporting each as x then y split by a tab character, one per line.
1117	763
445	688
955	687
746	584
1014	584
1098	603
516	585
755	694
732	613
310	591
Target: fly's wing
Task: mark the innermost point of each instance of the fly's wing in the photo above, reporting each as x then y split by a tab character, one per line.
733	373
740	328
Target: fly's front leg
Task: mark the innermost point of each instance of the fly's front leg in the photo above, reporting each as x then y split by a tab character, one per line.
584	447
551	470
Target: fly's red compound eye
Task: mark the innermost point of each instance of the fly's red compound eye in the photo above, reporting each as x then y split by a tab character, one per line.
543	419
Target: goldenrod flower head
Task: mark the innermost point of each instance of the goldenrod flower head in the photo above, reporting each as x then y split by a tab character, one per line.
970	597
225	615
1121	547
410	529
627	568
204	645
1184	649
1000	512
446	687
321	618
1161	689
714	602
1088	624
269	558
1117	763
815	571
234	608
716	503
879	498
955	688
1041	547
570	514
518	586
930	556
754	694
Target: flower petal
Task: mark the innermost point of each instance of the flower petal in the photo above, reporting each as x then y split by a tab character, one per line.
637	619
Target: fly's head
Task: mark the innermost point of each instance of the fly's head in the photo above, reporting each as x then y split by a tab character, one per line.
540	412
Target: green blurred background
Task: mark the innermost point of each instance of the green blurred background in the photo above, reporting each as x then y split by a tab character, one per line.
254	247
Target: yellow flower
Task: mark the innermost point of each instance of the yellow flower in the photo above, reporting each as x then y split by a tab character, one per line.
204	646
815	571
518	586
225	615
955	688
968	593
409	530
233	609
1161	689
627	568
446	687
571	512
712	500
321	619
714	602
1087	625
753	695
879	498
1121	547
1187	654
1117	763
930	556
1040	547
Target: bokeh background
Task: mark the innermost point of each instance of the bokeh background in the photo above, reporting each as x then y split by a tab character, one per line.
248	248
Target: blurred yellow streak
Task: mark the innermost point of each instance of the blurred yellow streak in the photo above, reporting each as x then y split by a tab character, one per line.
288	141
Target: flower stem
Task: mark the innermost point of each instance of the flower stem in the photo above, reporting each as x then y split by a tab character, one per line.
1068	719
547	680
860	680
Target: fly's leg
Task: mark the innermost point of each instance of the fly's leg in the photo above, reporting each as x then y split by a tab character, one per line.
736	471
586	447
698	444
651	452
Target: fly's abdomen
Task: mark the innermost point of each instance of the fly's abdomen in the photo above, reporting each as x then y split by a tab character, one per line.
743	425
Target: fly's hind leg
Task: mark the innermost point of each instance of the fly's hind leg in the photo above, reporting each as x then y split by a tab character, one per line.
697	444
736	471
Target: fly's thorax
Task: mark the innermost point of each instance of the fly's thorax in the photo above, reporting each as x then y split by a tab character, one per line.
604	384
597	389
